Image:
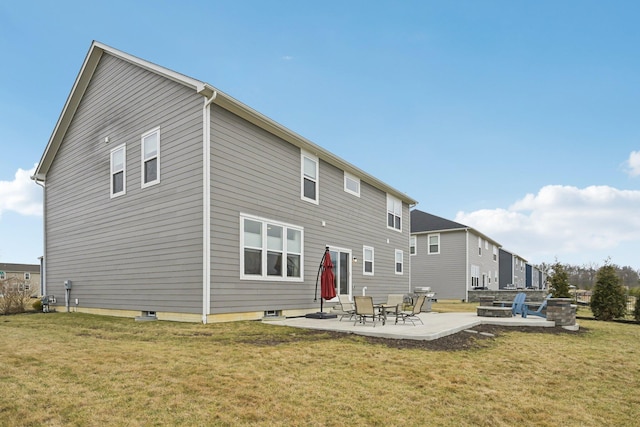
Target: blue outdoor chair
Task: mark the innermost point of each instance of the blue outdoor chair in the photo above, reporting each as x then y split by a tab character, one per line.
537	312
518	305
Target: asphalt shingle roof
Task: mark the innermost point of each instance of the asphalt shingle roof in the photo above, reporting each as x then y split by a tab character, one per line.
422	221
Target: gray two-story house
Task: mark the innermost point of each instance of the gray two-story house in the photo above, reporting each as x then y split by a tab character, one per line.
451	258
512	270
165	196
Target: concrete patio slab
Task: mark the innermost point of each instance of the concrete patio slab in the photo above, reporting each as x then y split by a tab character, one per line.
436	325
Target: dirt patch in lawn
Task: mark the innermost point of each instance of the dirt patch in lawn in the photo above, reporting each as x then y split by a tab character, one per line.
479	337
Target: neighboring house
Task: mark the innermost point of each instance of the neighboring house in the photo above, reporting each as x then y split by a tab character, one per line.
512	270
450	257
534	277
27	276
165	196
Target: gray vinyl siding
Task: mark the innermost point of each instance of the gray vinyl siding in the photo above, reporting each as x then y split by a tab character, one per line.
255	173
506	268
445	272
142	250
485	262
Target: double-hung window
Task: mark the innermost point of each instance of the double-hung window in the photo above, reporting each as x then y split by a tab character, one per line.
270	250
433	240
413	242
309	184
394	213
118	171
399	261
151	158
367	265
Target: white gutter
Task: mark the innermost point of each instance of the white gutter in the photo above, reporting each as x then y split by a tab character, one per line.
206	206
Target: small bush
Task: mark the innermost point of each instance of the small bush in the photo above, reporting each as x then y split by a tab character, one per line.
14	297
609	300
37	305
636	310
559	281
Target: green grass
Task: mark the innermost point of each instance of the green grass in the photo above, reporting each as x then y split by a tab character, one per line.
76	369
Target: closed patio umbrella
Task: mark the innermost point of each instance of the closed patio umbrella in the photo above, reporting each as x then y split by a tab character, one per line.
327	286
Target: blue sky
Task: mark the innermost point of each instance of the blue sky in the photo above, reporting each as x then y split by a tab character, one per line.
517	118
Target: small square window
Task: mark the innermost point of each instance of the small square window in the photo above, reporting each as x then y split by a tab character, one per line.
351	184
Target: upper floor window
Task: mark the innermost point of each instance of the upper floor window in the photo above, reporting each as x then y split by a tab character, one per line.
151	157
495	253
434	243
118	171
394	213
480	246
367	265
270	250
399	261
351	184
2	275
309	169
27	276
413	241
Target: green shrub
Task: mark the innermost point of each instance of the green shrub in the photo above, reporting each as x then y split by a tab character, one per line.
559	281
37	305
609	300
636	310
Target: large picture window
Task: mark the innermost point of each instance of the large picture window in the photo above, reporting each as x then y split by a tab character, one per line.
270	250
309	177
394	213
118	171
151	158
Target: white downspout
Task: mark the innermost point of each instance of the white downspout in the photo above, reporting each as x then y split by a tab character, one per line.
466	285
206	206
43	273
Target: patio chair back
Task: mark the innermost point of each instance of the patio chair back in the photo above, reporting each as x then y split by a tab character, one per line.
348	309
364	306
364	309
518	305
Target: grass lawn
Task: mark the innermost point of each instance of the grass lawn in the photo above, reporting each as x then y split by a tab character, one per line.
77	369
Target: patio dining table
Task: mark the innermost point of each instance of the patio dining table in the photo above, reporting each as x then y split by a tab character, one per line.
382	310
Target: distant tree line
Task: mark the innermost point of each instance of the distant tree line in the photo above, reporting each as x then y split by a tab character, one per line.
585	276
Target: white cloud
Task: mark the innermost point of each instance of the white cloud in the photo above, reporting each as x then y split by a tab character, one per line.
287	58
633	164
21	195
562	221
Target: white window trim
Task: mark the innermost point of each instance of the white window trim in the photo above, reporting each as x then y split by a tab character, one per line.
303	155
429	244
413	243
3	275
27	276
264	276
347	177
395	261
143	160
398	202
364	261
124	171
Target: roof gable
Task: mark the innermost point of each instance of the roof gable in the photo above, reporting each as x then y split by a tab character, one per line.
89	65
423	221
